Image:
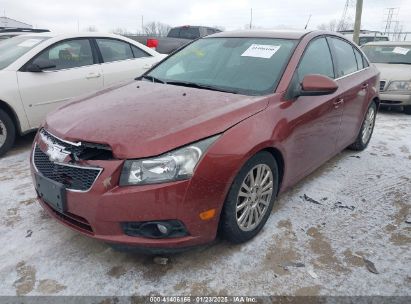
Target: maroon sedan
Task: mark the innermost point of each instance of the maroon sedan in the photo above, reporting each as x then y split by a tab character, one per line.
204	142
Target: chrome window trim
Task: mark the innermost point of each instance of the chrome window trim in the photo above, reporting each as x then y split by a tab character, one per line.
69	165
350	74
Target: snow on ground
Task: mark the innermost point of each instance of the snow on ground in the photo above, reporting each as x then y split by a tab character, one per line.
364	203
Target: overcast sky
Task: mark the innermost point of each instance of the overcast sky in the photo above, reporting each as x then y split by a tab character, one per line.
107	15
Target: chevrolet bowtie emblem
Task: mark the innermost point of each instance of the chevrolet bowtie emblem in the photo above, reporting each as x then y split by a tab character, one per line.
55	152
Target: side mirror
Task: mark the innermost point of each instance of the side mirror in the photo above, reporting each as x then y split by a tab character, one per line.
39	65
315	85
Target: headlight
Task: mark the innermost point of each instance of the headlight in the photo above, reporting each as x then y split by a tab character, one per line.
175	165
399	86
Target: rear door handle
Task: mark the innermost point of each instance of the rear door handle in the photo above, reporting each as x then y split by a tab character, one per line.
93	75
337	103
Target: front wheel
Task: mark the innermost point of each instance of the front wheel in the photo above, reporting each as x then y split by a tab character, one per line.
7	132
366	130
250	199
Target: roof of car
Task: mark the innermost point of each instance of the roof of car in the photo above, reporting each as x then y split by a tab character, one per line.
393	43
282	34
71	35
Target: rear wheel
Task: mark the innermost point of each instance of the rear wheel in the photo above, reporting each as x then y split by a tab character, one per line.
250	199
7	132
407	110
366	130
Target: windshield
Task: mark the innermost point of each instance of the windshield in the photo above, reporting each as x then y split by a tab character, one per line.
13	48
250	66
388	53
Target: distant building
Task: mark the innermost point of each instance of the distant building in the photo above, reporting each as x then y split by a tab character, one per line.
6	22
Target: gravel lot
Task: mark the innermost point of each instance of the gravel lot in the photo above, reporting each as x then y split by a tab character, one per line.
361	212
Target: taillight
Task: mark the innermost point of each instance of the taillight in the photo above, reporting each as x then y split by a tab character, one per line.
152	43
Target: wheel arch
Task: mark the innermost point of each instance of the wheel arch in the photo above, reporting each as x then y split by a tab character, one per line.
377	101
278	156
9	110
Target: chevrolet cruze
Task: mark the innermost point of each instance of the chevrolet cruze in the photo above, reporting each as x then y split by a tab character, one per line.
202	144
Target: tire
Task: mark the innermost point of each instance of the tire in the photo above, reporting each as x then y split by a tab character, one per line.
232	227
367	127
7	132
407	110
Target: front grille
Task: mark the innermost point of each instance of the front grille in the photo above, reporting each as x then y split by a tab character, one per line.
80	150
382	85
73	177
48	138
74	220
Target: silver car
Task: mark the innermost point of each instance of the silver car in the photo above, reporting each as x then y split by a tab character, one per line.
393	59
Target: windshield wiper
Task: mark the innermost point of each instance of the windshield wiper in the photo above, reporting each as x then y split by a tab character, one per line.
151	78
200	86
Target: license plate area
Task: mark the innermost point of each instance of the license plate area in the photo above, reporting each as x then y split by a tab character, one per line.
53	193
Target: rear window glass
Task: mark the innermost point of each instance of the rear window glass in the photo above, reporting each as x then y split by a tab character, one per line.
346	62
185	33
360	62
114	50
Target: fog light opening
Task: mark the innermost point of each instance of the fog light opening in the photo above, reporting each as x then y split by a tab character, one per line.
163	229
155	229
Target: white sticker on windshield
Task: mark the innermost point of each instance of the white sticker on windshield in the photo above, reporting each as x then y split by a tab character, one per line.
400	50
261	50
29	42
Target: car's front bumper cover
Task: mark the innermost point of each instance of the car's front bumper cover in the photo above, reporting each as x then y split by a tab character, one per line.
391	98
101	211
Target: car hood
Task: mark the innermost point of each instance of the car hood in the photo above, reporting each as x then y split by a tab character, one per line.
141	119
391	72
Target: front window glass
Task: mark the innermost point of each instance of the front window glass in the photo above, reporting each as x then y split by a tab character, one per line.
388	53
309	63
69	54
250	66
13	48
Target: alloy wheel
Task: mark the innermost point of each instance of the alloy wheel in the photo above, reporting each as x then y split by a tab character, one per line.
254	197
368	125
3	133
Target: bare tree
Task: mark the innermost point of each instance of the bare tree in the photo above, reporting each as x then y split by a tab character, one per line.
330	26
219	27
335	25
156	29
120	31
91	28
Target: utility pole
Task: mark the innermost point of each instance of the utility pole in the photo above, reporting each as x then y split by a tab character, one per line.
142	24
251	19
357	24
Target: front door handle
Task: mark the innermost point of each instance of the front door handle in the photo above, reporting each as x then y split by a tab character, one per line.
93	75
337	103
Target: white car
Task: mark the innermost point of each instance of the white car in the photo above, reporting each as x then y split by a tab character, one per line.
39	72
